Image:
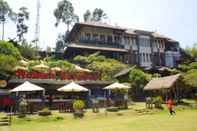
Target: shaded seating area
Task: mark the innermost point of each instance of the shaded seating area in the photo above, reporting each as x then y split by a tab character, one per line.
120	100
164	86
26	87
70	88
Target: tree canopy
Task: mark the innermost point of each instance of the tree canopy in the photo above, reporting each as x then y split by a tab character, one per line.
5	13
28	51
65	13
8	49
97	15
190	78
9	55
108	67
192	51
138	78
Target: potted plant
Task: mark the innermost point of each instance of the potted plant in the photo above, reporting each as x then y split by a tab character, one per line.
78	106
44	112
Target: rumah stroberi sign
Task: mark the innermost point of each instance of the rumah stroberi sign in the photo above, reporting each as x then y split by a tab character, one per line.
21	74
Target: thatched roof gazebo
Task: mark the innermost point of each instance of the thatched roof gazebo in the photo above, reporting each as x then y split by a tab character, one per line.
164	84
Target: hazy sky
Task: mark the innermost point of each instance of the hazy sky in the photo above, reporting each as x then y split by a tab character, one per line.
174	18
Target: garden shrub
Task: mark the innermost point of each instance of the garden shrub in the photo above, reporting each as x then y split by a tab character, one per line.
59	118
44	112
158	102
78	105
113	109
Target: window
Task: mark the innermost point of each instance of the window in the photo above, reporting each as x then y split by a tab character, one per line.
109	39
126	40
141	57
147	57
144	57
102	38
95	37
87	36
117	39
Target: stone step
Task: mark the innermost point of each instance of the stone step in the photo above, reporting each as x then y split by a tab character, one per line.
4	123
4	117
4	120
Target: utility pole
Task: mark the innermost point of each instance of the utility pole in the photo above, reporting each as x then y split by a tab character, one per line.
37	26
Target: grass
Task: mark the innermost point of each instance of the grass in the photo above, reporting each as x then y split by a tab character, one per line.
125	120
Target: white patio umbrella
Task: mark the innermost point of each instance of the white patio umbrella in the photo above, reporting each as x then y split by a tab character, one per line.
40	67
116	85
72	87
56	69
27	86
82	69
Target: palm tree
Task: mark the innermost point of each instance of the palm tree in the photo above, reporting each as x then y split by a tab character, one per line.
5	12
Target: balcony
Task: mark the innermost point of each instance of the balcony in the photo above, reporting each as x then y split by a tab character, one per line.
100	43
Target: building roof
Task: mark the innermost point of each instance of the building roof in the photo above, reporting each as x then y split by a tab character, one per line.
157	35
101	24
162	82
80	46
130	31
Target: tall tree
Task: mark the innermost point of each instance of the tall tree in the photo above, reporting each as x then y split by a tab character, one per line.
22	28
87	16
65	13
5	14
97	15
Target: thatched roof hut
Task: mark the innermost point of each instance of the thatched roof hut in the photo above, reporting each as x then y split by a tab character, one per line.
162	83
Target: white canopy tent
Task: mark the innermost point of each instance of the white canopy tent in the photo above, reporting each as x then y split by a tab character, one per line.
116	85
27	87
72	87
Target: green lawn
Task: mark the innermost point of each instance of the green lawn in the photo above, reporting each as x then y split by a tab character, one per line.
127	120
